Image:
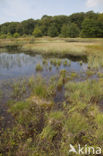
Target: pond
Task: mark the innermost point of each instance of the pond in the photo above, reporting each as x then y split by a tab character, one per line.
19	65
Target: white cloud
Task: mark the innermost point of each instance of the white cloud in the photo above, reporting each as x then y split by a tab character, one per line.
94	3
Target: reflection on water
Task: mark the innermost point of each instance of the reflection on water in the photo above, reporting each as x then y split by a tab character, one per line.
18	65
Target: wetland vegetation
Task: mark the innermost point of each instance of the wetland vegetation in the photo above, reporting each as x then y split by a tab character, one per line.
51	89
52	92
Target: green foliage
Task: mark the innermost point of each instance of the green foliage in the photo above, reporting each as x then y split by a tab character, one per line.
73	30
92	28
75	124
16	35
64	31
88	24
19	106
37	32
52	31
78	121
3	36
70	30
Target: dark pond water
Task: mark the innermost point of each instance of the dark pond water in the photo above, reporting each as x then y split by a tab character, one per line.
21	65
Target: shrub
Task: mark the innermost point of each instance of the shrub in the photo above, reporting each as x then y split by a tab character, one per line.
16	35
37	32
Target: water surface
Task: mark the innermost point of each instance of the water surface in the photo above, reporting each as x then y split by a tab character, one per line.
19	65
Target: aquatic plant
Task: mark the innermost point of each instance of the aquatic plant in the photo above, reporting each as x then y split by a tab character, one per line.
90	73
39	67
69	64
100	75
56	62
50	68
45	62
65	63
73	75
81	62
63	72
60	82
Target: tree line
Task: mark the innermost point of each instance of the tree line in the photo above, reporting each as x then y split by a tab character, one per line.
89	24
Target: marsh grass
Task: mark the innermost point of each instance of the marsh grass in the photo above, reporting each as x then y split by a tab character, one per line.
45	62
56	62
65	63
81	62
1	94
59	47
39	67
79	121
42	130
90	73
100	75
50	68
19	89
73	75
69	63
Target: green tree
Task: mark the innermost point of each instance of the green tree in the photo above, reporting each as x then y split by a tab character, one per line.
12	27
64	31
28	26
70	30
52	31
4	28
92	28
77	18
37	32
73	30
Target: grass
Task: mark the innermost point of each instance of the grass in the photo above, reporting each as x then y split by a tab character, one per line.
37	121
100	75
56	62
65	63
45	62
40	127
39	67
59	47
90	73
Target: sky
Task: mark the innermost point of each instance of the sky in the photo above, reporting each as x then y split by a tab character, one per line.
19	10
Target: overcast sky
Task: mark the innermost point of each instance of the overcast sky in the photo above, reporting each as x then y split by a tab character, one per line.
18	10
